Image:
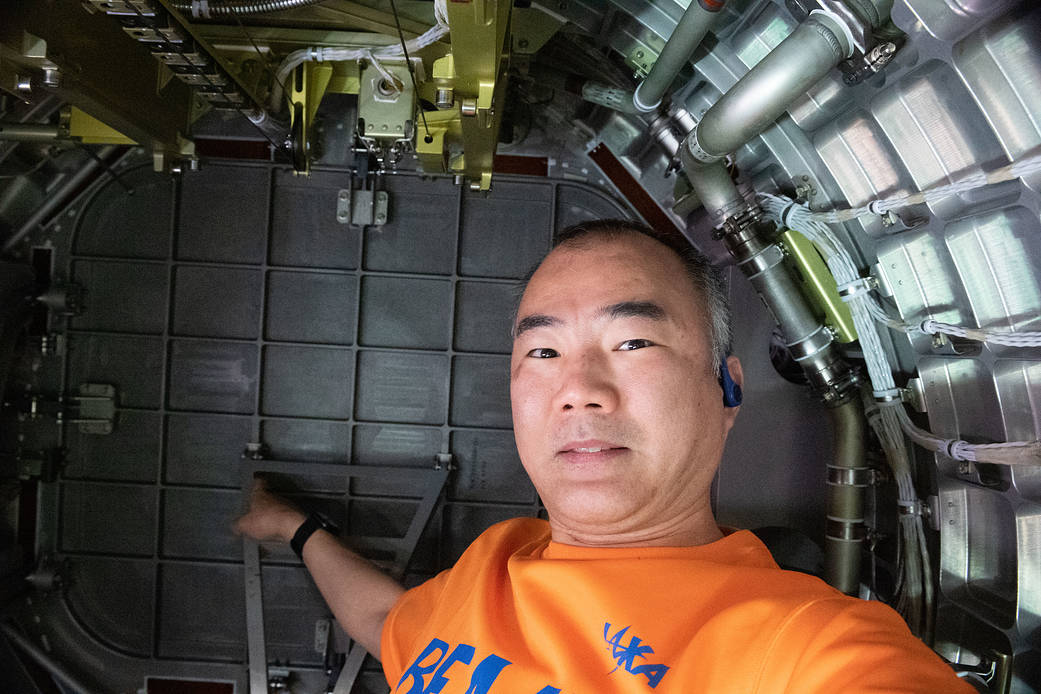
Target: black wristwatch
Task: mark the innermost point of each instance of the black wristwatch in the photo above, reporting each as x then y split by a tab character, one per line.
313	523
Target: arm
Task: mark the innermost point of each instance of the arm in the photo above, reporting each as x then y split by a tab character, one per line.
358	593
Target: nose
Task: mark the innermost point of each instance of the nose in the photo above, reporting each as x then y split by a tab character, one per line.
587	384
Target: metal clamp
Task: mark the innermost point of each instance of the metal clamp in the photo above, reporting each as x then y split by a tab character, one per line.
812	344
845	530
696	150
850	476
771	256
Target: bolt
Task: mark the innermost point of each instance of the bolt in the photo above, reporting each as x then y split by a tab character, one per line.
51	77
444	97
639	55
23	83
522	43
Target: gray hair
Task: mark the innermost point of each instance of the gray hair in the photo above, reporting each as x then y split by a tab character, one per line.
707	280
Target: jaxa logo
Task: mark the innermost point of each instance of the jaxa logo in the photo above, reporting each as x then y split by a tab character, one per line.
625	656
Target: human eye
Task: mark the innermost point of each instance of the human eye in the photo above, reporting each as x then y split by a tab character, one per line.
630	345
543	353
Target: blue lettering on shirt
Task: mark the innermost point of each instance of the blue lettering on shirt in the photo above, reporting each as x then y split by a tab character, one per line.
625	656
485	674
419	668
432	662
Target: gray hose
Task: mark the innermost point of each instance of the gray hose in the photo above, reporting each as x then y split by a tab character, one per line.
685	38
205	10
769	88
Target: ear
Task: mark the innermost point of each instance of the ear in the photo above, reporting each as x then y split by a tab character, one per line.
733	365
736	374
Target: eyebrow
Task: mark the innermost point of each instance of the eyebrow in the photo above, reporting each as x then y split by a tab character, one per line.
634	309
623	309
536	320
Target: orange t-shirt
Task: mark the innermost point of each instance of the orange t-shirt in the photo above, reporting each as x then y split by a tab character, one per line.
520	614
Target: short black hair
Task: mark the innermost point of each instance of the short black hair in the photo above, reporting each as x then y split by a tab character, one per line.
707	280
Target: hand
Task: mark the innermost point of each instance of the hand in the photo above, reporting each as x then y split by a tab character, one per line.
270	517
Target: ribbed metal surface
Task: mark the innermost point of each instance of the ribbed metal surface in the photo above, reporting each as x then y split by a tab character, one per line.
962	95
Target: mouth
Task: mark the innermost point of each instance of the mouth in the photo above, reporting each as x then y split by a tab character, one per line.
589	451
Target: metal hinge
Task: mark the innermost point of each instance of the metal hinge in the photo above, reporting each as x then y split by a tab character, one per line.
362	207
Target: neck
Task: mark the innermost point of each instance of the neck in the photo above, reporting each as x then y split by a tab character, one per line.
696	528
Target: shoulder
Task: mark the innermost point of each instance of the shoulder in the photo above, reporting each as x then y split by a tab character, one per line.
841	643
480	565
489	552
514	535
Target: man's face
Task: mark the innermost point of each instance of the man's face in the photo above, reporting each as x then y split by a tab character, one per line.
617	411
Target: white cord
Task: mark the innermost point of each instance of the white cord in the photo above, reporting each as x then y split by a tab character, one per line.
1017	169
865	311
318	54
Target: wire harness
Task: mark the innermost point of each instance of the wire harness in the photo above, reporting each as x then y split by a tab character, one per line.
319	54
1017	169
855	291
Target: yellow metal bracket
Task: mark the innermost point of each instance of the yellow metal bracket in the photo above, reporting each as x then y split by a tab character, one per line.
433	153
479	65
89	130
819	285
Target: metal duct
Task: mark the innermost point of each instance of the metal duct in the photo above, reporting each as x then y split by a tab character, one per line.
687	36
749	107
768	89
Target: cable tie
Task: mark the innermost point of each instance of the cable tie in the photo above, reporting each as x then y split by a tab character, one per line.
853	288
928	326
885	397
785	212
909	508
874	207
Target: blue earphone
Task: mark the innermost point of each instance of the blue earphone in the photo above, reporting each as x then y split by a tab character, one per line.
731	391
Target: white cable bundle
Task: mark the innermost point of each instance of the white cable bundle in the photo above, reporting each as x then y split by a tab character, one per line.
1024	167
393	50
914	591
864	309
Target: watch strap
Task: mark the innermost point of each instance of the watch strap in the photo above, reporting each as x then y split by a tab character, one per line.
313	523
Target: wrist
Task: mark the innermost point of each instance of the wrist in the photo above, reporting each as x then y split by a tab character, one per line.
312	524
294	518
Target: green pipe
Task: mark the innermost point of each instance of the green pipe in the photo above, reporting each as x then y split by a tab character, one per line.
847	480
